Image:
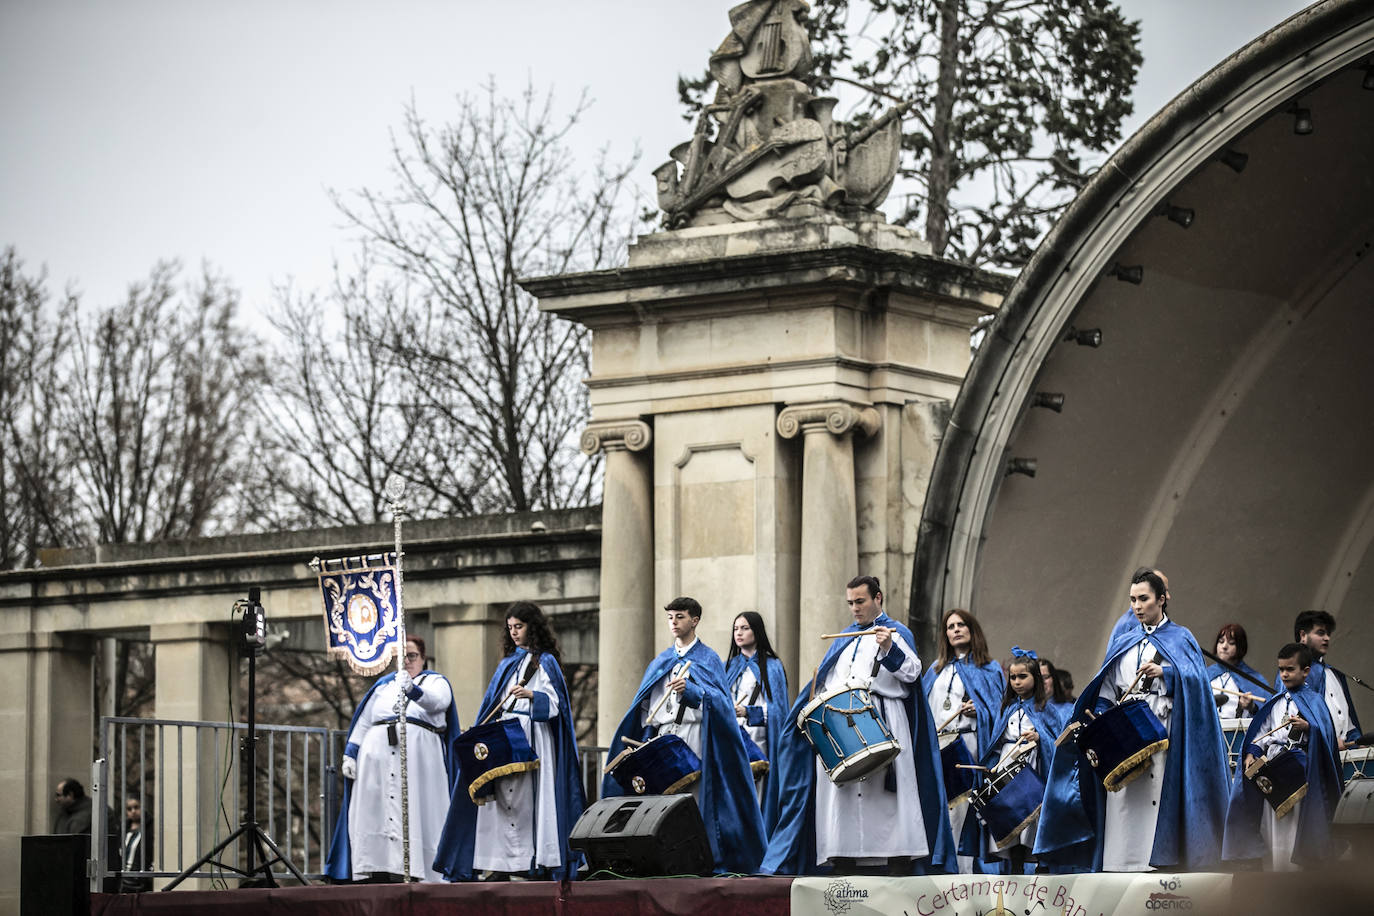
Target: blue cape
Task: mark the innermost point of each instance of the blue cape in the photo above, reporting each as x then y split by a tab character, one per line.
984	685
457	843
792	847
1216	670
1316	682
729	807
339	865
776	699
1313	846
1124	624
1192	808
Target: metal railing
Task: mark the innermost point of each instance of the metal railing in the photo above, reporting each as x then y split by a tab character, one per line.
190	783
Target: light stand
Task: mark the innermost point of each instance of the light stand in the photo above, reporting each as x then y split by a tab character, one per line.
251	642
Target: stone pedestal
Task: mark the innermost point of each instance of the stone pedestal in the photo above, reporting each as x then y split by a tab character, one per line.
789	370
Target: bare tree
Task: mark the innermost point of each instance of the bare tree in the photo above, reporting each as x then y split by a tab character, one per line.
154	410
36	500
497	385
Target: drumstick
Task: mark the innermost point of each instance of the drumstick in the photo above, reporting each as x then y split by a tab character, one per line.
1277	728
1140	674
653	712
849	635
814	674
957	713
1237	693
971	766
632	742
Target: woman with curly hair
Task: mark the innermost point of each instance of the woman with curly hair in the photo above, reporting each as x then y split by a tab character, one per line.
523	830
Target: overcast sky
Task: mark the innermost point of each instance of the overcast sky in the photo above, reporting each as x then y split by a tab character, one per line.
134	130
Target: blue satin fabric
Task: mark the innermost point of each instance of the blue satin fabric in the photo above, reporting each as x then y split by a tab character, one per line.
792	846
729	807
339	865
1247	804
1192	808
1047	728
1316	682
984	685
776	700
457	843
1217	670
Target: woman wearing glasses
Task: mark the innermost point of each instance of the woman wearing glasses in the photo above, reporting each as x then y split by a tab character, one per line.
367	835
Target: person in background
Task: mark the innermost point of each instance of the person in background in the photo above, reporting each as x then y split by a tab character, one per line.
758	685
1233	693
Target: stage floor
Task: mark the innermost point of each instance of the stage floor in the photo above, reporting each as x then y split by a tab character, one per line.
1343	891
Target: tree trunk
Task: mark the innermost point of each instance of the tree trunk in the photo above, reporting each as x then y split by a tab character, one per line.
941	127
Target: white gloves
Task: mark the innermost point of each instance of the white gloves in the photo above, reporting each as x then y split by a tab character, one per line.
349	768
403	681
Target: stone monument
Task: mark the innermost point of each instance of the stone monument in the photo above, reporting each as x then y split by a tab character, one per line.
770	375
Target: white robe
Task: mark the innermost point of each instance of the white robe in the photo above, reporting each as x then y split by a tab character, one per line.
742	693
518	828
374	815
1132	813
861	820
946	695
1231	708
1280	834
1018	723
1336	704
665	721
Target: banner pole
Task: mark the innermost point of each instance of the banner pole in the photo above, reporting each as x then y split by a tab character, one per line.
395	491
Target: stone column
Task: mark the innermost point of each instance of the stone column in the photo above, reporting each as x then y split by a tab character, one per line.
197	675
626	630
829	516
467	644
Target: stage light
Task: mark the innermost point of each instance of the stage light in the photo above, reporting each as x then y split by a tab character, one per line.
1050	400
1027	466
1088	337
1183	216
1302	120
1234	159
1133	274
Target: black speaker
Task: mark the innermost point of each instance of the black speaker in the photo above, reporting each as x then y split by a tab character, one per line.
644	836
52	875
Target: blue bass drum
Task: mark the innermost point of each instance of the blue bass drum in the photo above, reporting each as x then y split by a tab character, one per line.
488	752
849	736
1008	802
1119	743
661	766
1281	779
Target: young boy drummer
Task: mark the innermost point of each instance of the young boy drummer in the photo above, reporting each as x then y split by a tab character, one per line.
1297	834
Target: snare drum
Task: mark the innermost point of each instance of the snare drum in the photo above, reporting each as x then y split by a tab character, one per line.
1357	763
1357	801
849	736
488	752
1233	730
959	783
1008	802
1282	779
1119	743
662	766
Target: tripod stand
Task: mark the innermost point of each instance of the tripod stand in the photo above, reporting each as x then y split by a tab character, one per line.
253	638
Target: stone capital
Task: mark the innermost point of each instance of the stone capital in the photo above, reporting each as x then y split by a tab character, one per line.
834	417
613	435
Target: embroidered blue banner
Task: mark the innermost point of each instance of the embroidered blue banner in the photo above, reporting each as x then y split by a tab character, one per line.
361	614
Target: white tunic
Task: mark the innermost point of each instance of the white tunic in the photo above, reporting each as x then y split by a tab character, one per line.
665	721
742	693
1231	708
374	813
1280	834
861	820
1018	724
518	828
1133	812
947	695
1335	702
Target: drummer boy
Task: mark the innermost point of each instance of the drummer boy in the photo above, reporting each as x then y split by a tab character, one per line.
683	693
1268	818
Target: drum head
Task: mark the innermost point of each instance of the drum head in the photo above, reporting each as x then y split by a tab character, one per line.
865	763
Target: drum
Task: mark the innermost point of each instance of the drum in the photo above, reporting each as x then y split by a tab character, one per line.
758	763
492	750
849	736
1119	743
1282	779
1357	763
1233	730
959	784
662	766
1008	802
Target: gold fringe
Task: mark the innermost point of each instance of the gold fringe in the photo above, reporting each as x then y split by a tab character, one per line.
760	768
496	773
1130	769
682	784
1012	837
1291	802
960	799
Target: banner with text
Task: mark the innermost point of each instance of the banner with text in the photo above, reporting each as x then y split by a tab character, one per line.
1151	894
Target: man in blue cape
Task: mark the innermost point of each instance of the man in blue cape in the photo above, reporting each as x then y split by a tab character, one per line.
1314	630
701	713
1306	840
1191	807
339	864
457	842
792	849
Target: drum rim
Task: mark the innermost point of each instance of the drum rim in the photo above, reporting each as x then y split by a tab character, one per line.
1133	767
859	756
819	698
